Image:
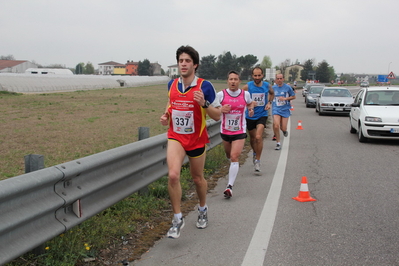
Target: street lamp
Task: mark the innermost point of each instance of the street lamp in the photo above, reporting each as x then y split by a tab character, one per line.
389	65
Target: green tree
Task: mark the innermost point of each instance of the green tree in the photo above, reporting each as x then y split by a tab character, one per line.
225	63
80	68
283	65
55	66
207	69
294	73
89	69
245	64
347	78
308	66
144	68
7	57
266	62
332	73
323	72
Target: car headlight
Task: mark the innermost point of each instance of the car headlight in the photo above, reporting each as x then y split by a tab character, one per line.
326	104
373	119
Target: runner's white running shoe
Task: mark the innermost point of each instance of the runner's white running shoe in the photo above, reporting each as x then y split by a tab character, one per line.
202	221
174	231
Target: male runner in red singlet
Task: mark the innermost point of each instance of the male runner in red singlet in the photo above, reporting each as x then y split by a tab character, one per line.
190	100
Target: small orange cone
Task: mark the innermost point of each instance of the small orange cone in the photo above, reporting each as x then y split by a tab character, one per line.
304	194
299	125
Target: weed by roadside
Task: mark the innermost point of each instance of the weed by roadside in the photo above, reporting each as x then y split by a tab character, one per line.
133	224
68	126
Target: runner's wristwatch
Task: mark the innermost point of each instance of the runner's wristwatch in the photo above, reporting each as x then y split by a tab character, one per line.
206	104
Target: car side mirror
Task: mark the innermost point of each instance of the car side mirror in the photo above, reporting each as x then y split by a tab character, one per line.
355	104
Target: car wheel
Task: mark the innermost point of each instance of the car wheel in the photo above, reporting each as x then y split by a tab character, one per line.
352	129
316	110
362	138
320	112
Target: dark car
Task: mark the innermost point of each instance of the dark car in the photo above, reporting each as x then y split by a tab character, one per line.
311	95
308	86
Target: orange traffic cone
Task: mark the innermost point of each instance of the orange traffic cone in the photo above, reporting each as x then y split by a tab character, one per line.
299	125
304	194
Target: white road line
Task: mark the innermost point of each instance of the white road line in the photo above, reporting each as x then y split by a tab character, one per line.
256	251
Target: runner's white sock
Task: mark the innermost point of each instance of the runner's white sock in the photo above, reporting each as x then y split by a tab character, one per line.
178	216
202	208
233	171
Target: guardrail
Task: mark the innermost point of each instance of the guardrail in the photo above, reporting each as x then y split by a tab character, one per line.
38	206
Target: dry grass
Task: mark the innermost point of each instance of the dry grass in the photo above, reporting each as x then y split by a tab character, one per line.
70	125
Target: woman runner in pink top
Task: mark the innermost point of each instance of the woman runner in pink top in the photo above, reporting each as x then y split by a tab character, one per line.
234	102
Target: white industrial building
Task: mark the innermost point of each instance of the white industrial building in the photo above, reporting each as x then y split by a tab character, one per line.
15	66
49	71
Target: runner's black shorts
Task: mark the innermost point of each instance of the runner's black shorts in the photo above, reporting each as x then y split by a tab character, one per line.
251	124
231	138
194	153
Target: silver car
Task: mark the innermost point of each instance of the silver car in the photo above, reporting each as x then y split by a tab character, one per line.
334	100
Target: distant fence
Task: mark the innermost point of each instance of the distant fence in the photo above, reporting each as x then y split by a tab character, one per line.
24	83
38	206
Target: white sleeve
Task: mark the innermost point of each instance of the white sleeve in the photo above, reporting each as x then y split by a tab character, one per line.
248	98
219	97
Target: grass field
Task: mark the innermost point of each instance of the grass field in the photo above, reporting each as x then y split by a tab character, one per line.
70	125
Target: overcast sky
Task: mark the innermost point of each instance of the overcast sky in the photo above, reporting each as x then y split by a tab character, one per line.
353	36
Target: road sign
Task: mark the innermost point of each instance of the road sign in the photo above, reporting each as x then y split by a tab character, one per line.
382	78
391	76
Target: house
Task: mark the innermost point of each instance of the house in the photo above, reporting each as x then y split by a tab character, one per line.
111	68
173	71
156	69
362	77
132	68
15	66
288	72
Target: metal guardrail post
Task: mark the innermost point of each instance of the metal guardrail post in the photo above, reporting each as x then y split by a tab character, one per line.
144	133
34	162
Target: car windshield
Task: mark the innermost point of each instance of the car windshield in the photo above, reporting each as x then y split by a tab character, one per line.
382	98
315	90
336	93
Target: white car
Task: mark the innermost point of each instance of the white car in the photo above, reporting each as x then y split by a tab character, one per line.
375	113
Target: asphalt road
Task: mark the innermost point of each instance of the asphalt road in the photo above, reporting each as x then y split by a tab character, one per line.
354	220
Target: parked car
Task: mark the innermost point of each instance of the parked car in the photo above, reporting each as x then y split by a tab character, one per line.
375	113
364	84
334	100
311	95
308	86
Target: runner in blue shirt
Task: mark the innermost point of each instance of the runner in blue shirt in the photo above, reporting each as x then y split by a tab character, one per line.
262	94
283	94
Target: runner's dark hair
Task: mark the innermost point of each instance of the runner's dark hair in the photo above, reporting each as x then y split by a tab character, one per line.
191	52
